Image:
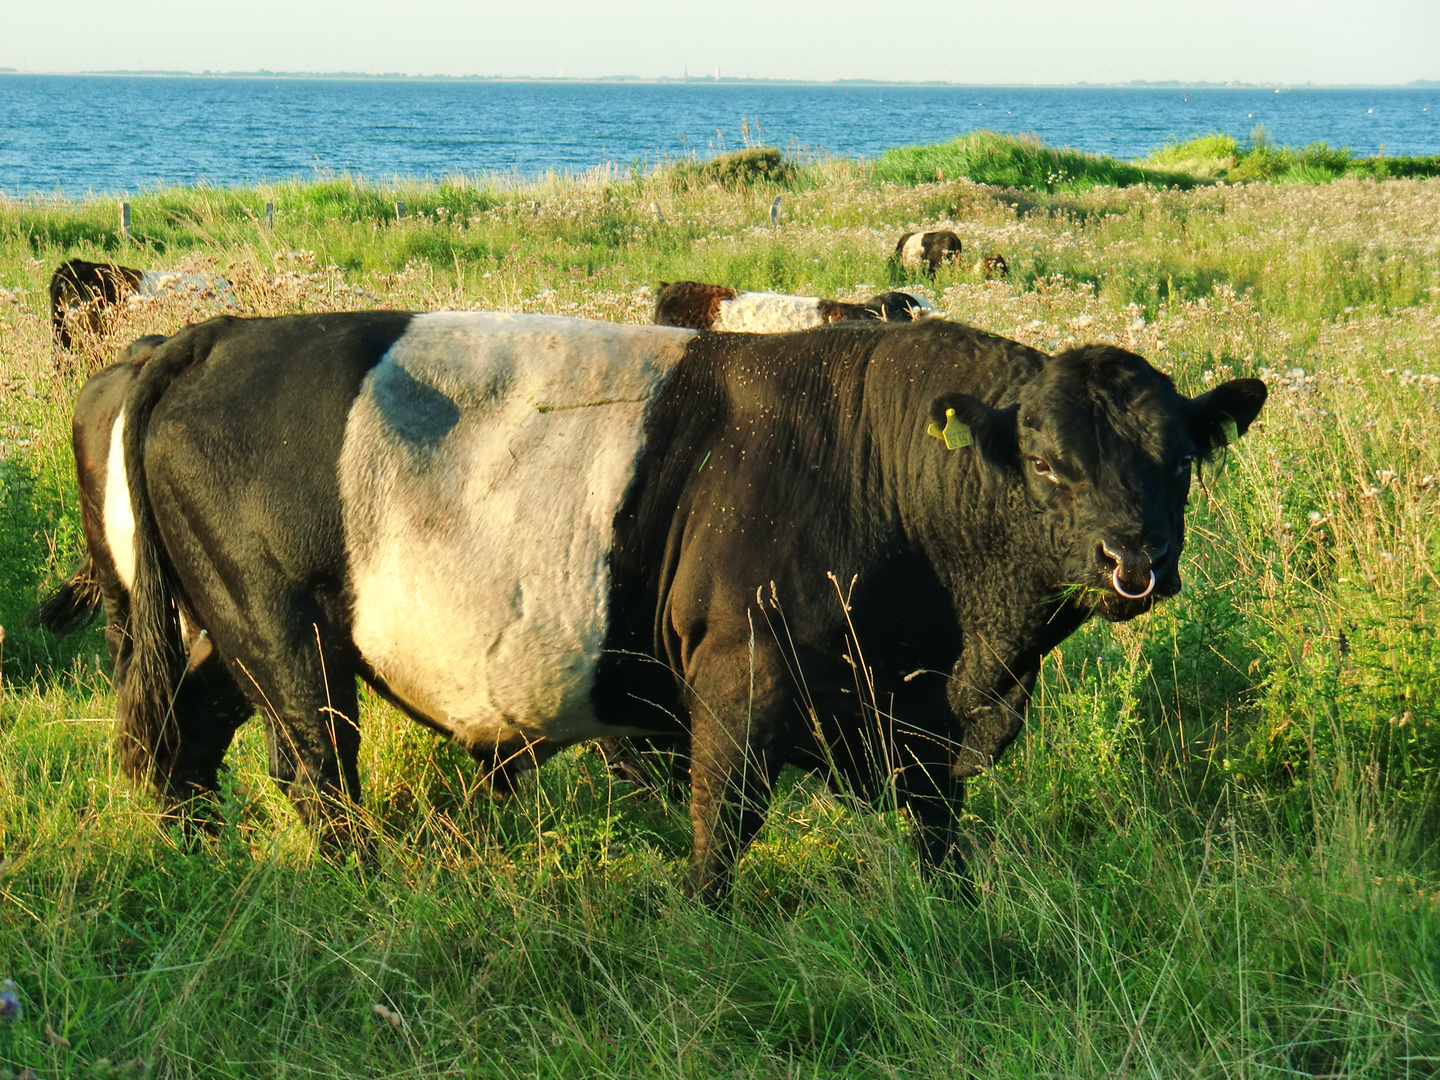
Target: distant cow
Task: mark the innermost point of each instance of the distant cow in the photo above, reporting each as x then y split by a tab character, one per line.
81	291
528	530
991	267
927	250
698	306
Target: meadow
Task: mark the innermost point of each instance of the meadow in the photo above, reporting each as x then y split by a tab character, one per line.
1211	854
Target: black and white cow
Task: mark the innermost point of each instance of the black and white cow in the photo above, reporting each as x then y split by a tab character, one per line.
81	292
927	251
849	545
699	306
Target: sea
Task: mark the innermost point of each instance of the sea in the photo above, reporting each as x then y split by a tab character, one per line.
79	136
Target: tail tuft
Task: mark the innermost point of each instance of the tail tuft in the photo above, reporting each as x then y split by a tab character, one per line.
74	603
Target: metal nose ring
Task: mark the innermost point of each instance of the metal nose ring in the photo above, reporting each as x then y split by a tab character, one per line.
1115	581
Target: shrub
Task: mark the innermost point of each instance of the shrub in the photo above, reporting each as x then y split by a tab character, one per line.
741	168
1204	155
1394	168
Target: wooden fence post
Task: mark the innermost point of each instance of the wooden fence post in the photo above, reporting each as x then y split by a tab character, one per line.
269	215
399	209
125	220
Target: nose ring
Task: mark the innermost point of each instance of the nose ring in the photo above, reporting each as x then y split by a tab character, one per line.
1115	581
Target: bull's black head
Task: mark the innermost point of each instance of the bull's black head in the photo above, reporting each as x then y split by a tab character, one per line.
1105	447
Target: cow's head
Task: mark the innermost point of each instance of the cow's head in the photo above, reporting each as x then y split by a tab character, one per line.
1105	447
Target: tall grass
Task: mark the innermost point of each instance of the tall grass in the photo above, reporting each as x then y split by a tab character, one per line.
1210	855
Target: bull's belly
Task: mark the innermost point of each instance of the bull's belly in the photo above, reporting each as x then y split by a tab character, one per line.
487	665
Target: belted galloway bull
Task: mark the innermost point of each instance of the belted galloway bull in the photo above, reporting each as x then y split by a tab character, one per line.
846	546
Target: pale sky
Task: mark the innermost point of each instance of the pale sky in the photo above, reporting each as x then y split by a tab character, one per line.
995	41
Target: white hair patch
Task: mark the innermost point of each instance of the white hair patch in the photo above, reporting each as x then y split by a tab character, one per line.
912	254
768	313
484	462
118	516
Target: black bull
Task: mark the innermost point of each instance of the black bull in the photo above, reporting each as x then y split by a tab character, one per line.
916	512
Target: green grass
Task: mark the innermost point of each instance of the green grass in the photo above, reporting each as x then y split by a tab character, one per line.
1211	854
987	157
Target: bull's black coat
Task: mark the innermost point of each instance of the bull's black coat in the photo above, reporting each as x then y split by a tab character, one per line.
799	572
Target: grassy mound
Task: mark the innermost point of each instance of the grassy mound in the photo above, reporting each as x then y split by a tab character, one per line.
740	168
1221	157
1026	162
1019	161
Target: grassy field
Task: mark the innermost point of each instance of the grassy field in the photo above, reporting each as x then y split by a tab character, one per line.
1212	853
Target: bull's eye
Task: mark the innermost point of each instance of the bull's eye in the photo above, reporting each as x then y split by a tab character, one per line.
1042	468
1185	462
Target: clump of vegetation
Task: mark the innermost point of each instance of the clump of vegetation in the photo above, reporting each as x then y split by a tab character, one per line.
1018	161
739	168
1206	156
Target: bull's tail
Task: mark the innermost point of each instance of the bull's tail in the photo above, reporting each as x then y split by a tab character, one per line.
74	603
146	730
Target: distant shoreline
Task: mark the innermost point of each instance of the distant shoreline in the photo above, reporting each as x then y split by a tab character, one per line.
722	80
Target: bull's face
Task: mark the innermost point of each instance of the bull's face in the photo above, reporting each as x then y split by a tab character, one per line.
1105	448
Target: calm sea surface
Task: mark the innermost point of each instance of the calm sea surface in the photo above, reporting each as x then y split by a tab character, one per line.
103	134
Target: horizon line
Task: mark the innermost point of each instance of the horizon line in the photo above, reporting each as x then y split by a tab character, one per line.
702	80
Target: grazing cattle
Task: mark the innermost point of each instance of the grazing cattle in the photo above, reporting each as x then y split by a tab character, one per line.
81	291
848	546
991	267
927	250
698	306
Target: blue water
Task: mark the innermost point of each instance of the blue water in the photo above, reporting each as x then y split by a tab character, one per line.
109	134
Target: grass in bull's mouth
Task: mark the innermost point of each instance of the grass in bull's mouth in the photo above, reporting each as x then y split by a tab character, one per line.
1211	854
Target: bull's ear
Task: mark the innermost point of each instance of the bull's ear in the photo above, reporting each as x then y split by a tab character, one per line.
963	420
1224	414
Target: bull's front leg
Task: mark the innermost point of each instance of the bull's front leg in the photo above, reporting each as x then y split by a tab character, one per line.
738	700
989	694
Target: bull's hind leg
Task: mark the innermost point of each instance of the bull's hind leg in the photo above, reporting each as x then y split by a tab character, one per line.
305	688
209	708
282	650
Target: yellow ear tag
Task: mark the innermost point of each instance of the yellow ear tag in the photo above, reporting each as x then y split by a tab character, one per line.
955	434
